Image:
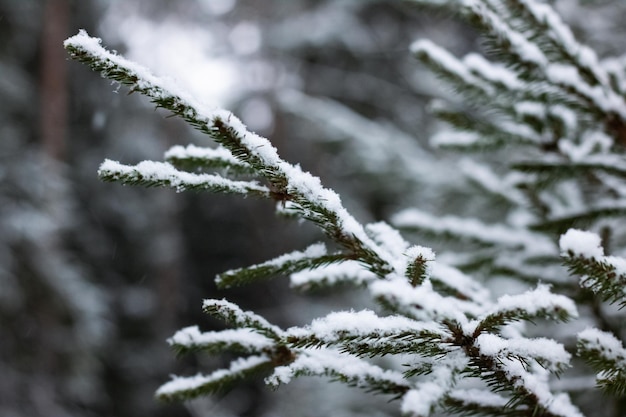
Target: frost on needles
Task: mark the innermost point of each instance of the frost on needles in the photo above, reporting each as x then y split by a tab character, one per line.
462	351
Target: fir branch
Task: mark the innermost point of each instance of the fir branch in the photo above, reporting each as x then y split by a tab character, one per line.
529	306
470	230
289	183
186	388
419	264
192	158
448	280
489	135
480	402
162	174
422	400
348	369
557	170
554	35
334	274
364	333
605	275
241	341
313	257
450	69
421	303
235	316
584	219
607	356
520	374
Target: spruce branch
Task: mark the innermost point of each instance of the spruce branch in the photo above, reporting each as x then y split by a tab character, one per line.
452	70
344	368
186	388
193	158
241	341
312	258
162	174
532	305
364	333
288	182
583	219
607	356
485	134
470	230
419	264
232	314
584	256
556	37
330	275
480	402
551	171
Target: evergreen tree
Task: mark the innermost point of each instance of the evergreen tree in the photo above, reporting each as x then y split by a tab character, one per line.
438	338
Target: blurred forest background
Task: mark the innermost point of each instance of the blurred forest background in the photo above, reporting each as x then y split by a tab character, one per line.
95	277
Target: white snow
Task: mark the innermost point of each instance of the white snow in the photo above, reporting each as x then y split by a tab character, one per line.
549	353
181	180
335	325
328	362
534	301
193	151
604	342
424	254
346	271
493	72
454	138
497	184
422	301
386	236
421	400
179	384
496	234
191	336
480	397
581	243
240	317
450	64
461	282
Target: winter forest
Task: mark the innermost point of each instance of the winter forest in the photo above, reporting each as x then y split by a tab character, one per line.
313	208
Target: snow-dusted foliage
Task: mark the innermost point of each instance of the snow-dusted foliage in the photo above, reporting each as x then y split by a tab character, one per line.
435	336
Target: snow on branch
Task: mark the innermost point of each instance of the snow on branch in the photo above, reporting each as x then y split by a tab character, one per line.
243	341
419	264
546	23
185	388
422	400
313	257
482	401
325	276
528	306
540	50
445	336
583	254
194	157
311	200
232	314
548	353
607	356
549	171
472	230
422	302
363	333
342	367
450	68
163	174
